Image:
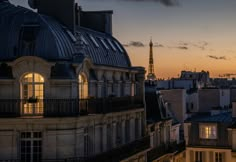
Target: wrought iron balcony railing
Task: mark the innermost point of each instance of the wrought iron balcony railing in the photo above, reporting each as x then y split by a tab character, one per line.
119	153
113	155
67	107
164	149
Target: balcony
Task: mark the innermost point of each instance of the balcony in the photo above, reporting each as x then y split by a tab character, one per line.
67	107
118	154
114	155
164	149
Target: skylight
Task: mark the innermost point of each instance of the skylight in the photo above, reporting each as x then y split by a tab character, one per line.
104	43
111	44
121	50
84	40
71	36
94	41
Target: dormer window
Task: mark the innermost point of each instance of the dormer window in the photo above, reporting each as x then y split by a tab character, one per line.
208	131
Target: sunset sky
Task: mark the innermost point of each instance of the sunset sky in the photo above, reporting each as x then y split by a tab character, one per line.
188	35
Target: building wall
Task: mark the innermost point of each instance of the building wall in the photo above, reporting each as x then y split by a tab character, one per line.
66	138
176	99
208	98
224	98
208	154
192	102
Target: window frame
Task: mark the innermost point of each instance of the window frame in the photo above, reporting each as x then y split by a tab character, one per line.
29	138
208	131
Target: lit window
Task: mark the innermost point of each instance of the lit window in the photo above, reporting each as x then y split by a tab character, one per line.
208	131
119	47
104	43
31	146
111	44
83	86
93	40
32	94
218	157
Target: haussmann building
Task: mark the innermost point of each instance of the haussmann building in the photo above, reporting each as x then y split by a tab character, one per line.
68	91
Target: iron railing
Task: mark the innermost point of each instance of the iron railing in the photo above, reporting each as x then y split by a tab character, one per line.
67	107
113	155
117	154
164	149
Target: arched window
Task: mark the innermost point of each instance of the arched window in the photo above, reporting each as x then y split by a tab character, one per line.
32	94
83	86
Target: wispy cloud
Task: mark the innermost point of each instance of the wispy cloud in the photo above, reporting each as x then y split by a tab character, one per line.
167	3
202	45
158	45
134	44
179	47
217	57
182	47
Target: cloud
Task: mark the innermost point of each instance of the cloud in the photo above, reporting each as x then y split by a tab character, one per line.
158	45
201	45
167	3
182	47
216	57
134	44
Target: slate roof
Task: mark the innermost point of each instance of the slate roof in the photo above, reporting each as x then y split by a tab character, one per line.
51	40
225	117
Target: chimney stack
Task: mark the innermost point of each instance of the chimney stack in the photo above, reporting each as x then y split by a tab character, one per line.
65	11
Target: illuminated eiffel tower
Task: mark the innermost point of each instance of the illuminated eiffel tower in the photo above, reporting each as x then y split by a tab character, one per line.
151	74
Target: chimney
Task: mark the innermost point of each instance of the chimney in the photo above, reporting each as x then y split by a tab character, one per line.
65	11
97	20
234	109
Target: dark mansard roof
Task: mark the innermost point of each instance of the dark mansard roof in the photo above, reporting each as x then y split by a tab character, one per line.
27	33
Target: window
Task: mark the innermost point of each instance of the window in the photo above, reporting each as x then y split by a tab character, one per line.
72	37
83	86
127	131
198	156
94	41
104	43
32	94
84	40
208	131
111	44
121	50
31	146
218	157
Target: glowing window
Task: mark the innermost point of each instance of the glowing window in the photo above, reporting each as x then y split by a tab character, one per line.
83	87
32	94
208	131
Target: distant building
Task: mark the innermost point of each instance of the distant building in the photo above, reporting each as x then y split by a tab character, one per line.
211	138
68	91
203	77
188	80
